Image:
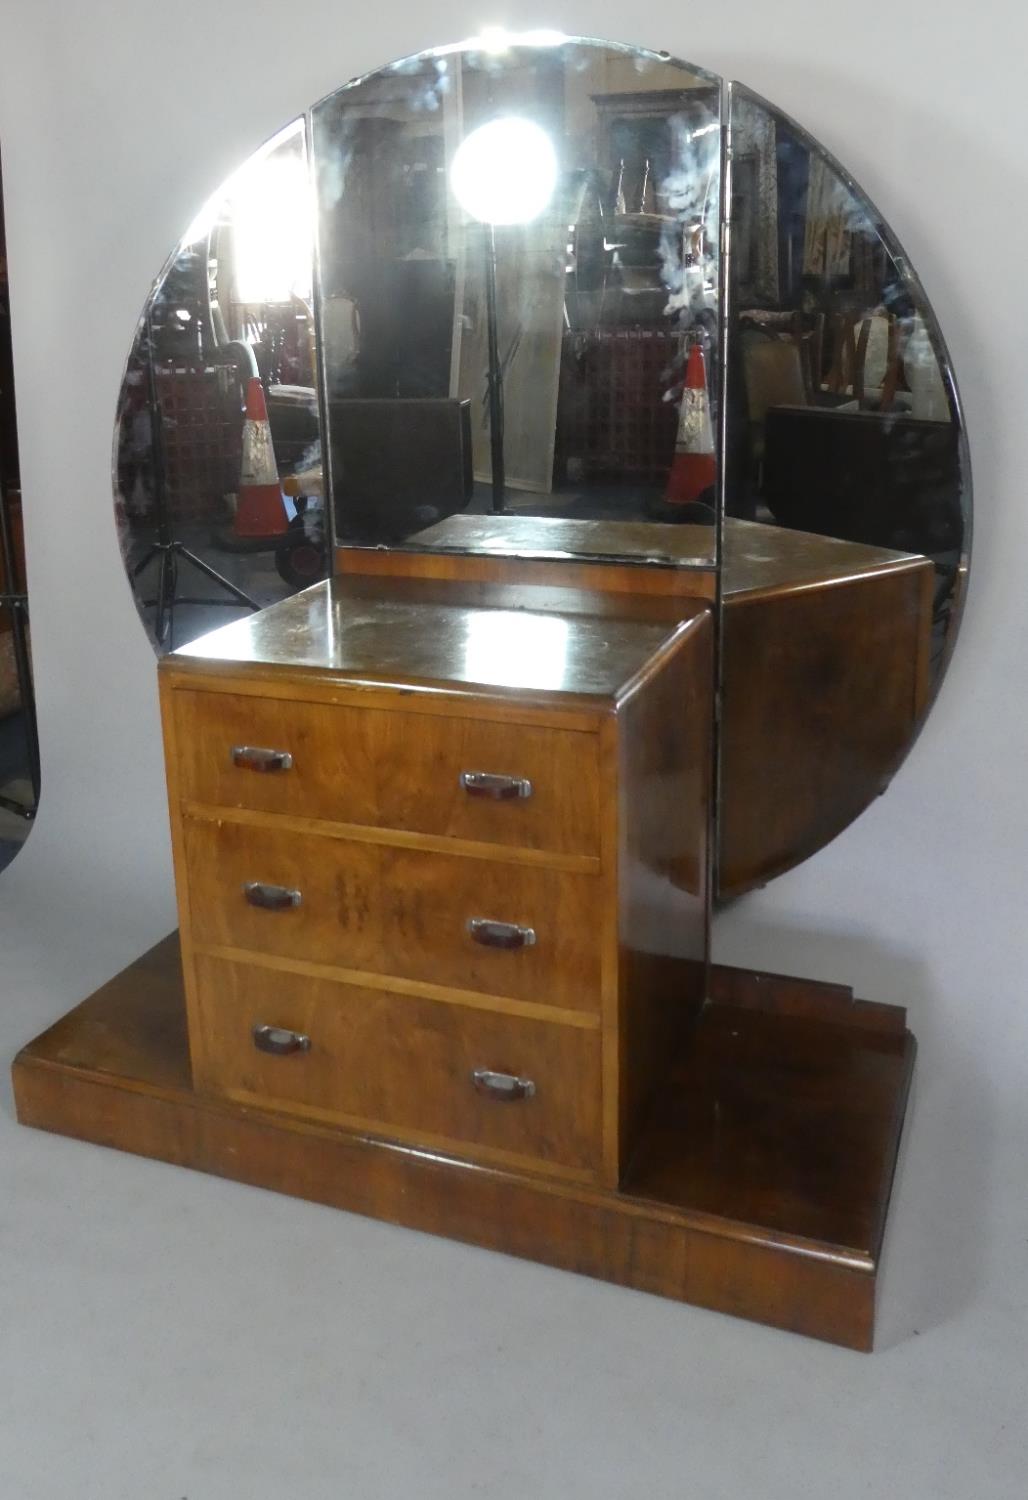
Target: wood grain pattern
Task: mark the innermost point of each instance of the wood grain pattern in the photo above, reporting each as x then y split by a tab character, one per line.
799	1123
801	999
385	899
795	1243
583	864
392	770
309	684
172	760
401	1065
395	911
823	690
442	994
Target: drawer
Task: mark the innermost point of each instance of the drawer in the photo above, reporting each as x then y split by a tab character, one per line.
391	769
401	1065
397	912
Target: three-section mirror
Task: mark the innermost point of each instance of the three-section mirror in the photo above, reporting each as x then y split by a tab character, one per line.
545	298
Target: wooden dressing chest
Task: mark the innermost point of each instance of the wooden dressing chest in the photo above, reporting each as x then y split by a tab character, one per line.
442	853
441	876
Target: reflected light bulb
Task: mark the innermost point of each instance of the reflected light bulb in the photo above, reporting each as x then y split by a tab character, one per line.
504	172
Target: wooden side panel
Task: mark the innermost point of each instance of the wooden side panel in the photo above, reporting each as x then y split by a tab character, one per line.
178	847
396	911
802	999
402	1065
822	691
664	817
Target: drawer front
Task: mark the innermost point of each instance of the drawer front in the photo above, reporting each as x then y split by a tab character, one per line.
392	770
401	1064
397	912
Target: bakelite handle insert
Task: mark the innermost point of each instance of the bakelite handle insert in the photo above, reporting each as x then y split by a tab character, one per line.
255	758
500	934
271	897
504	1087
496	788
280	1042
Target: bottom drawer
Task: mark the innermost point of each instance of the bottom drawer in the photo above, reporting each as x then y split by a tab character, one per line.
401	1065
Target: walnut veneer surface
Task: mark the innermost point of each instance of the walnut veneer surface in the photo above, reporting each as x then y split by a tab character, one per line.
336	1030
387	874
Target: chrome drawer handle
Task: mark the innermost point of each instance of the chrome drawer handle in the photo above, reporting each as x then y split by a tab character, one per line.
497	788
500	934
271	897
279	1042
505	1087
254	758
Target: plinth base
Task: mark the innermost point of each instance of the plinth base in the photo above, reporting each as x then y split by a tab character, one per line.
760	1188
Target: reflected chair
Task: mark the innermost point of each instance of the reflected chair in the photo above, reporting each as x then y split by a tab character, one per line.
773	376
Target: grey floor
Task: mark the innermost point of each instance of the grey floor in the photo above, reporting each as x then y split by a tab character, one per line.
169	1336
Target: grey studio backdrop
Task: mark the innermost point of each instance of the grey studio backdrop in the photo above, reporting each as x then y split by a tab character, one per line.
116	121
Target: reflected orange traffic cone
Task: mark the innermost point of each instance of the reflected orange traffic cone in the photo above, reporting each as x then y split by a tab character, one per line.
694	468
260	511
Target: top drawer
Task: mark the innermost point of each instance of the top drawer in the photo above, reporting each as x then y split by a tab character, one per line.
391	769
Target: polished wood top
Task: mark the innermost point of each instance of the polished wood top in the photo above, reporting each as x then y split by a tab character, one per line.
562	642
511	535
760	559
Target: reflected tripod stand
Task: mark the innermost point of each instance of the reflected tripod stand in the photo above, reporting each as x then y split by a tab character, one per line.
167	550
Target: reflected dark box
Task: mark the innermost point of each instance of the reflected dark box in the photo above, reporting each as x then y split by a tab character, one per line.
872	477
398	465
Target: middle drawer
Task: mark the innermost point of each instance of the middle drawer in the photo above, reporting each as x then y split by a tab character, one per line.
404	913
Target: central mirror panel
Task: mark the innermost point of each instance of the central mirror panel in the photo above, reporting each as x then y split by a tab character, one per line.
518	304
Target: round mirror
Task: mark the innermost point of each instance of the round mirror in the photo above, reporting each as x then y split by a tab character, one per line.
477	305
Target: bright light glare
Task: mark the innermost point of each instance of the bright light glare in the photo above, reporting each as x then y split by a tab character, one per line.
518	650
496	40
271	224
267	203
504	172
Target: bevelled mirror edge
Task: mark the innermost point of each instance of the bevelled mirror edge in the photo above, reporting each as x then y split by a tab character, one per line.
846	461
